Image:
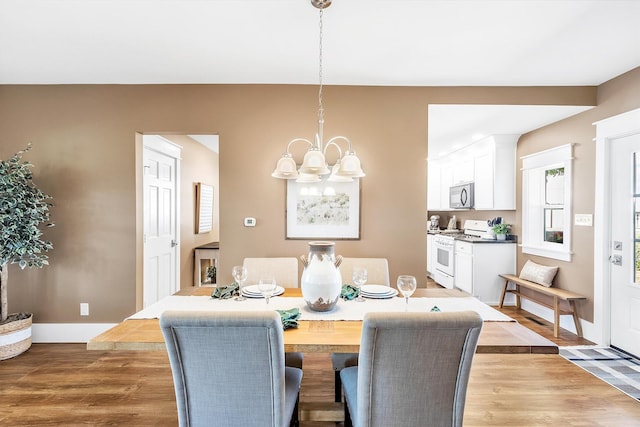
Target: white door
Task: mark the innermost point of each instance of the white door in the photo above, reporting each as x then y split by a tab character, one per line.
624	248
160	221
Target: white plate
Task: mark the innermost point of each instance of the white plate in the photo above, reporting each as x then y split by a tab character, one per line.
376	289
391	292
254	292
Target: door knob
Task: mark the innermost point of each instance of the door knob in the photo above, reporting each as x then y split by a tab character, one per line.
615	259
174	243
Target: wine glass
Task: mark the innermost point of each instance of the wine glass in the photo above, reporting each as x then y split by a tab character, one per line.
267	285
359	277
406	286
239	273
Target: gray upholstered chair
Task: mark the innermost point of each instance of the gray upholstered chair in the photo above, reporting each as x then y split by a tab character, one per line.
413	369
377	274
228	369
285	271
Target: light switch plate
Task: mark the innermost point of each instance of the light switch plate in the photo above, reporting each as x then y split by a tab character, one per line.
585	220
249	222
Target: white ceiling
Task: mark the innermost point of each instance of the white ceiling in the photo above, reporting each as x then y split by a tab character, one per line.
366	42
452	127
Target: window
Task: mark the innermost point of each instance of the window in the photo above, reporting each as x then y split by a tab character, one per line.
546	203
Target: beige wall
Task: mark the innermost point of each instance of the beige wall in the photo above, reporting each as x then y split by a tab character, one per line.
85	155
614	97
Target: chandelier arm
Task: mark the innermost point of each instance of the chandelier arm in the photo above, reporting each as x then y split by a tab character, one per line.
296	140
332	142
337	138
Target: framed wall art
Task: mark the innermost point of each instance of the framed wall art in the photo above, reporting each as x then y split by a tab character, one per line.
323	210
204	208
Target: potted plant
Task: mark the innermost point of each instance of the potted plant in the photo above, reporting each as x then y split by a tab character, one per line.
211	273
501	230
23	209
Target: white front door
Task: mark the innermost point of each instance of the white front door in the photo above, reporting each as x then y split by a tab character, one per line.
624	249
160	221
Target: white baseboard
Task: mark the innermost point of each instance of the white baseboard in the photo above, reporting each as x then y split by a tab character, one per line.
67	332
566	321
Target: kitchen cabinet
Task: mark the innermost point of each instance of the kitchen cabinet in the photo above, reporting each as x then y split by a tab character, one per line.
430	254
477	266
463	169
463	266
439	179
434	186
490	163
495	173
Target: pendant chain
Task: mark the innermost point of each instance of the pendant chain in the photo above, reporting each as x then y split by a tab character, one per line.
320	109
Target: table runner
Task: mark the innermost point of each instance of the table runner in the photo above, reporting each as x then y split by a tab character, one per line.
345	310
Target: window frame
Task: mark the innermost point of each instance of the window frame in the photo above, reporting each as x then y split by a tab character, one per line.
534	167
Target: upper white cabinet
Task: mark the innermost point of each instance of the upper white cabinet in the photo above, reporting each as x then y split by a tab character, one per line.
490	163
495	173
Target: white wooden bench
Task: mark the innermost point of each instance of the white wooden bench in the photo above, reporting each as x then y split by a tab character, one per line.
556	293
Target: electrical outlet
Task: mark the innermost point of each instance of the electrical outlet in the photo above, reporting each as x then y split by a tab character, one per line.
84	309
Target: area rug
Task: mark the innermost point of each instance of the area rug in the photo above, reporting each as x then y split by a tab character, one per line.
610	365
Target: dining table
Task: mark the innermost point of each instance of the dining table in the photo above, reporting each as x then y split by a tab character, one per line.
318	335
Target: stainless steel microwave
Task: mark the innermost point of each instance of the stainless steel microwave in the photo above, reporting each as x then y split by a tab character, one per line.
461	196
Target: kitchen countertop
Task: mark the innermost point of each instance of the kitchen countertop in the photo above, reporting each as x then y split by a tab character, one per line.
475	239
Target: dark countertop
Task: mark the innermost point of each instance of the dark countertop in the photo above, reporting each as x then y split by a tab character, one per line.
473	239
211	245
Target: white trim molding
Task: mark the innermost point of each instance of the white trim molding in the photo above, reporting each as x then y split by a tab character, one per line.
67	332
534	167
607	130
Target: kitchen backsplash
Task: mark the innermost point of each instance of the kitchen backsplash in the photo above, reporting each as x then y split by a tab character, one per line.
508	217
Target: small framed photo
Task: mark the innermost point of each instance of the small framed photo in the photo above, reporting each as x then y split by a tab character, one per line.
204	208
323	210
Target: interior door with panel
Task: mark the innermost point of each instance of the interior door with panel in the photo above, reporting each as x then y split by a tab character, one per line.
625	243
160	223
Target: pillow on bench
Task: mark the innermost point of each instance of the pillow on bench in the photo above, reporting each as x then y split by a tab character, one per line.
537	273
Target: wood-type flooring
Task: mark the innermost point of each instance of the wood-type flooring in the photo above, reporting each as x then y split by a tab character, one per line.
66	385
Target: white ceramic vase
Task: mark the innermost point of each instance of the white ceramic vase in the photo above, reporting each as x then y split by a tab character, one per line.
321	281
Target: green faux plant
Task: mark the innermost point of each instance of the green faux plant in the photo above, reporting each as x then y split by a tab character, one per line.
502	228
23	209
211	273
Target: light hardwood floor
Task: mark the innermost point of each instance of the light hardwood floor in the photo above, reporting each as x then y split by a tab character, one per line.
64	384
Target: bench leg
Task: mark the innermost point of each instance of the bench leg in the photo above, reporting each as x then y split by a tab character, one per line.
504	292
576	320
518	302
556	317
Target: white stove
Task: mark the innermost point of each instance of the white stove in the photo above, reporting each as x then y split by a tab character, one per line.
476	231
444	246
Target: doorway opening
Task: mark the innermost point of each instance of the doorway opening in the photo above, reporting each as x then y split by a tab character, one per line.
166	212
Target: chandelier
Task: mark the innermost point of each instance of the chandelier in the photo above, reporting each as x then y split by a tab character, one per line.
314	164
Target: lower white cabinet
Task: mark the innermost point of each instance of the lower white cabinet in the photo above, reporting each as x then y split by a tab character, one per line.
477	266
430	254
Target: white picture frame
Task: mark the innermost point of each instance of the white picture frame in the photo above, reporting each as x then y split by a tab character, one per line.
204	208
323	210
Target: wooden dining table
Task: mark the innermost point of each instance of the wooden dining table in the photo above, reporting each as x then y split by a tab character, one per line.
326	336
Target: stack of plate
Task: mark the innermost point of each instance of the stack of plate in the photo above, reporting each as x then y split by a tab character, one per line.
254	292
378	291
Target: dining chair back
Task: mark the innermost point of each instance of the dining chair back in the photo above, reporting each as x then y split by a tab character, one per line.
228	368
377	269
283	269
378	274
413	369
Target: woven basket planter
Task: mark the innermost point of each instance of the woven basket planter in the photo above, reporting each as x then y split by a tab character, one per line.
15	338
